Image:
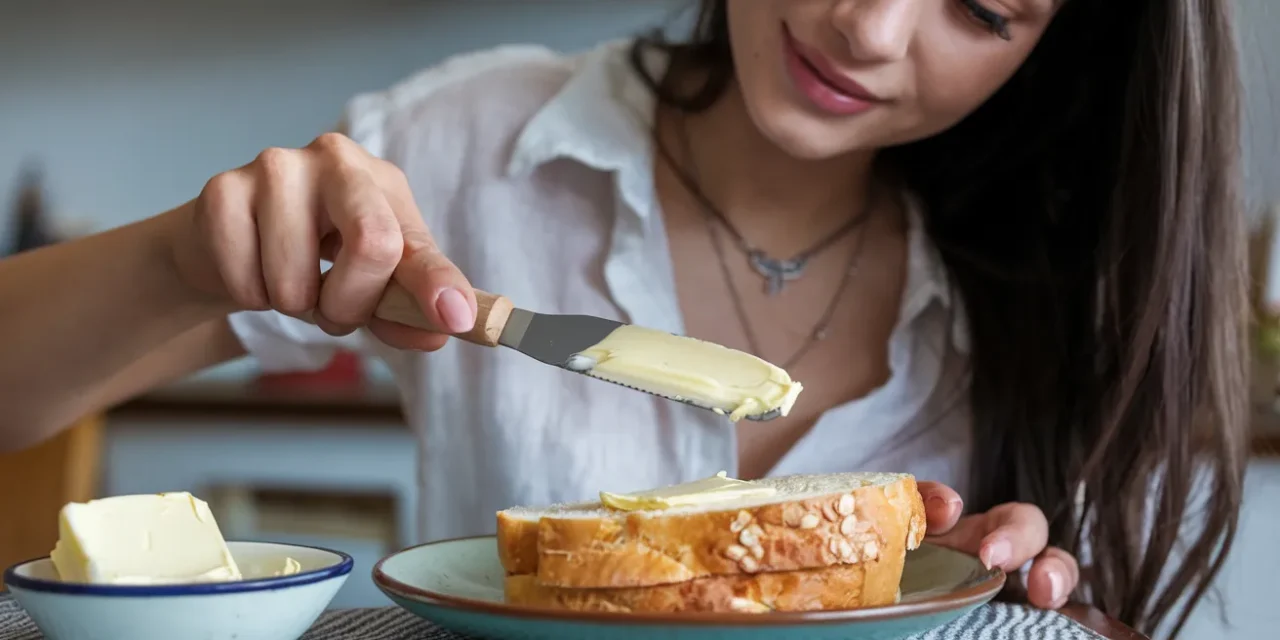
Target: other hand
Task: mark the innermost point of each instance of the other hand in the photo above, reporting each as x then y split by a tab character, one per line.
255	236
1007	537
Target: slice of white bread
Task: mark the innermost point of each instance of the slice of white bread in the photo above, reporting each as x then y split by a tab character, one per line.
871	583
812	521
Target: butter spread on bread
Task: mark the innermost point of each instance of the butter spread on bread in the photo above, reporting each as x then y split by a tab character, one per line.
717	488
732	382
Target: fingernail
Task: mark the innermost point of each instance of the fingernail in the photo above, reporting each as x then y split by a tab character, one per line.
1057	587
996	554
938	499
454	311
938	507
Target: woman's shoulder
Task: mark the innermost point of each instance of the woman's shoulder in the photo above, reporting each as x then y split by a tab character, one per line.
483	94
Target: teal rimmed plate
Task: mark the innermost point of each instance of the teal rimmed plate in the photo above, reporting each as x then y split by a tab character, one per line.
457	584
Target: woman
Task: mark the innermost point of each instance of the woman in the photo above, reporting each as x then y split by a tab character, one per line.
1009	267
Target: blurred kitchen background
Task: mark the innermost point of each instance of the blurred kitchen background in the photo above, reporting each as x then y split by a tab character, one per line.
113	111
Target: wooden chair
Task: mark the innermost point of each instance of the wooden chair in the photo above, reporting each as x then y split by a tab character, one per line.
35	483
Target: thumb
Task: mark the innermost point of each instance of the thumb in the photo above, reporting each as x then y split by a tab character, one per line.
1007	536
966	536
444	295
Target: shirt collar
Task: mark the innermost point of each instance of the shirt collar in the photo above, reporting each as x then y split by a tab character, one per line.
603	118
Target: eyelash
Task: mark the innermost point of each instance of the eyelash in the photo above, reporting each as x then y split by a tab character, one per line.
998	24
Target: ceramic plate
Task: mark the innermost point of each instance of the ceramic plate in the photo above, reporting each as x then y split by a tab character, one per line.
457	584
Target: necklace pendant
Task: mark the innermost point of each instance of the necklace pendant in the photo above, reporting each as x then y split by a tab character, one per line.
776	273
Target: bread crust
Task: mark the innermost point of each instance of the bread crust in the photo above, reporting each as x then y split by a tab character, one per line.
868	584
643	549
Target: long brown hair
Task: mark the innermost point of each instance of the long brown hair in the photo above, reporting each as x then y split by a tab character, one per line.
1089	215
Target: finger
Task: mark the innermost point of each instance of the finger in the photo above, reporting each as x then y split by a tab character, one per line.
287	234
330	245
371	243
443	293
399	336
966	536
224	213
942	506
1017	532
1053	577
1006	537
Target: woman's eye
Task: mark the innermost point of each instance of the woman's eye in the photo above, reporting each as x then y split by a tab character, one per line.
997	23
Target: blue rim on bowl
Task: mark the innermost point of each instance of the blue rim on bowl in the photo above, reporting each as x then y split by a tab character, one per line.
343	567
991	584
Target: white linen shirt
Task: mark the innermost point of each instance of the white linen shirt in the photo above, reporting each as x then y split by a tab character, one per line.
534	170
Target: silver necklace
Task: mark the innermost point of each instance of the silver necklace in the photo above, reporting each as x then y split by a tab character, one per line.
711	217
777	272
819	331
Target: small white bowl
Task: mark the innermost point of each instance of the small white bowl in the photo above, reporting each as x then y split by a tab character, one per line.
261	607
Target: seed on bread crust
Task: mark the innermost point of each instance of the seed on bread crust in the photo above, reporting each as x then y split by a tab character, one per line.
829	512
846	551
735	552
747	605
749	565
849	526
750	536
757	552
809	521
743	519
870	550
845	506
793	515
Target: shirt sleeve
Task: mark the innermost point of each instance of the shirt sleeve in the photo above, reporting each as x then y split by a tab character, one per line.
283	344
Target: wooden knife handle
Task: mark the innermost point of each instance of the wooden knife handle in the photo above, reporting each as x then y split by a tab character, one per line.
492	311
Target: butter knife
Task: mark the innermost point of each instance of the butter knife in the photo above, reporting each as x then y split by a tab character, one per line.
550	339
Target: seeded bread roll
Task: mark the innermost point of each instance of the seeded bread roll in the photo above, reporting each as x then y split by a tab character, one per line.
867	584
811	522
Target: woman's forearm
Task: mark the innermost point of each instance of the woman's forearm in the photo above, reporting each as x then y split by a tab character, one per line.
76	315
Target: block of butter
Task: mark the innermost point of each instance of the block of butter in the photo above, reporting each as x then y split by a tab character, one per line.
168	538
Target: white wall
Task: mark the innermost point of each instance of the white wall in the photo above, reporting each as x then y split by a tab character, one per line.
1259	22
1246	588
133	104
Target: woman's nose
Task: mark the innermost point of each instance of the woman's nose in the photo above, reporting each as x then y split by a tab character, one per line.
877	30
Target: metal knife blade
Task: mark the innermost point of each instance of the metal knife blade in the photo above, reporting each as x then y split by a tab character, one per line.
551	339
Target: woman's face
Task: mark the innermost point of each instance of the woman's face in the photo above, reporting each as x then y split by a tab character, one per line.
824	77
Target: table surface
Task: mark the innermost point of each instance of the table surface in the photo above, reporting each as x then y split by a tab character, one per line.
1101	623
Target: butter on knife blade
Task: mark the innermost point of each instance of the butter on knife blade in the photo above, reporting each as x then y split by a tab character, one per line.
710	375
695	372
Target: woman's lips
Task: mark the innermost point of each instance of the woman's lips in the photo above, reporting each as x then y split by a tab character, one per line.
825	87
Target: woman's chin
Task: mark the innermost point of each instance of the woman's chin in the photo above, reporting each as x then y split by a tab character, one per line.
804	137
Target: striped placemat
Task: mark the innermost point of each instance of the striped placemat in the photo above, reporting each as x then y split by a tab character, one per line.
997	621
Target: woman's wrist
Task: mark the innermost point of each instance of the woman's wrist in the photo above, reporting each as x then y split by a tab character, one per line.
178	262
